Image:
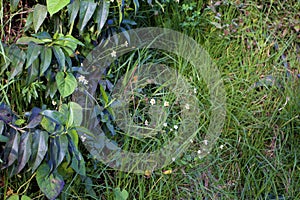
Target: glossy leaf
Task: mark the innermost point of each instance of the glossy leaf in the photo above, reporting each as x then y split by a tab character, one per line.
66	83
87	10
102	14
24	150
39	15
32	53
39	148
73	9
60	56
46	57
50	184
75	114
53	6
48	124
55	116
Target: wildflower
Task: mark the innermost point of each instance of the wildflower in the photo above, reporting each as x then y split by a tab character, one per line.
125	44
146	123
54	102
199	151
177	1
222	146
112	1
165	124
166	104
113	54
195	90
191	140
173	159
205	142
82	79
152	102
187	106
175	127
83	138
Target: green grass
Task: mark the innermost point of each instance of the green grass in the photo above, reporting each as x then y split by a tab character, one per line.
257	154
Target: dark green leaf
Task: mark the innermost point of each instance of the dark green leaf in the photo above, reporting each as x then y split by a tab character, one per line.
48	124
29	21
78	163
12	149
61	143
33	71
3	138
39	15
51	185
17	60
102	14
55	116
87	10
60	56
120	195
24	150
66	83
42	35
46	57
39	148
32	53
54	6
73	9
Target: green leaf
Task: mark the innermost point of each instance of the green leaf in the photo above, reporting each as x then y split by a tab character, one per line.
1	127
102	14
24	150
46	57
136	5
39	148
29	21
55	116
104	95
39	15
60	56
33	71
66	83
75	114
14	5
3	138
87	10
19	122
24	197
54	6
17	61
32	53
48	125
61	147
12	149
26	40
73	9
14	197
50	184
120	195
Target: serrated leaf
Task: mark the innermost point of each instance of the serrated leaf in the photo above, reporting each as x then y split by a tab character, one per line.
73	9
39	15
46	57
24	150
27	40
87	10
60	56
51	185
32	53
102	14
53	6
39	148
66	83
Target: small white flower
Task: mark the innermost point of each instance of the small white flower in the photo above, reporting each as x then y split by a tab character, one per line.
199	151
173	159
165	124
222	146
177	1
112	1
83	138
205	142
187	106
125	44
113	54
166	104
146	123
195	90
82	79
152	102
191	140
53	102
175	127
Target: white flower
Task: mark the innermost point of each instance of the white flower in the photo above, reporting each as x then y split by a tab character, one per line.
173	159
113	54
83	138
82	79
146	123
199	151
177	1
166	104
53	102
125	44
187	106
205	142
112	1
171	129
191	140
175	127
165	124
152	102
222	146
195	90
